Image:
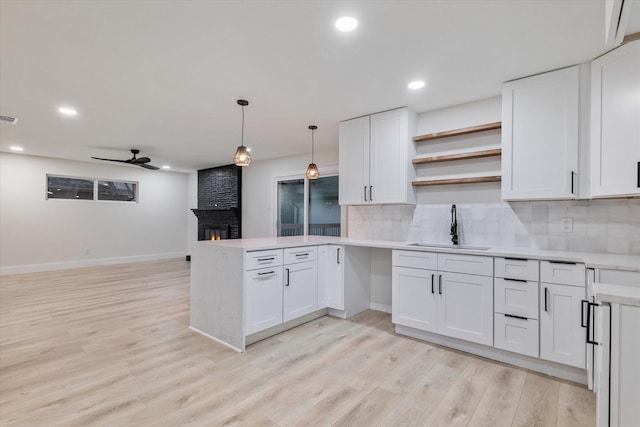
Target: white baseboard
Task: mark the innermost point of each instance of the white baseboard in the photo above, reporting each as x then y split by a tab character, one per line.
54	266
534	364
226	344
380	307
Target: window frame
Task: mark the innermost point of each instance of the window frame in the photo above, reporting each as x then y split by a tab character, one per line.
95	188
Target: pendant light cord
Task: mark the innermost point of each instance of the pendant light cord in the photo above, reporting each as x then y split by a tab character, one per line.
312	145
242	131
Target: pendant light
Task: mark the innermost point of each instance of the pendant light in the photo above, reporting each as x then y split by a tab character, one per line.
242	157
312	169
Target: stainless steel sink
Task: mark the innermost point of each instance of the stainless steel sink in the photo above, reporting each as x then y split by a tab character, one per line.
449	246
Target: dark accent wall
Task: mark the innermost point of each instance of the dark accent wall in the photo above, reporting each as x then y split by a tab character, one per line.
219	199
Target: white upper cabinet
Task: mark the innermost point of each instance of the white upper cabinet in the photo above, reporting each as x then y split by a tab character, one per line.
540	134
615	123
375	159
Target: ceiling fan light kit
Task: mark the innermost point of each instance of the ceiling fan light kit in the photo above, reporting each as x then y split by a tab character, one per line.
242	156
312	169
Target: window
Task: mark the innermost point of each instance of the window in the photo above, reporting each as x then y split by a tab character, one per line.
60	187
307	207
117	190
70	188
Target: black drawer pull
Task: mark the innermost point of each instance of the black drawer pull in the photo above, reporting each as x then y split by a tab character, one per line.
516	259
516	317
266	272
563	262
304	254
515	280
266	259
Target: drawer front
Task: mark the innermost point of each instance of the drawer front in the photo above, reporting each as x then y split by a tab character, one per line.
415	259
467	264
301	254
516	297
262	259
562	273
516	335
516	268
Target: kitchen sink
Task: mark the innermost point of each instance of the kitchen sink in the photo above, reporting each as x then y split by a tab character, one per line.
449	246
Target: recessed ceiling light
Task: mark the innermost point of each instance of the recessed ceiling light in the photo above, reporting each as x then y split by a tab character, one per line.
166	167
418	84
346	24
67	111
16	148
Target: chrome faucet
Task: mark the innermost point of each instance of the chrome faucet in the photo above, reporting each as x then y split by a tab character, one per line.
454	225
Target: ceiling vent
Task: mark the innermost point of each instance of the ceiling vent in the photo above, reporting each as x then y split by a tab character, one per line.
12	120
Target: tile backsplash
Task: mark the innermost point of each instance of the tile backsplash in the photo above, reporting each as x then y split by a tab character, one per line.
605	226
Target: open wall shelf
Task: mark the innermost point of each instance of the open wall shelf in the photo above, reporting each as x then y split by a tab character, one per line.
463	155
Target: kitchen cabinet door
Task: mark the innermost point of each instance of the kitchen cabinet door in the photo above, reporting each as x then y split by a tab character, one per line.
390	170
263	299
354	161
540	131
562	337
465	307
615	123
331	277
300	295
414	298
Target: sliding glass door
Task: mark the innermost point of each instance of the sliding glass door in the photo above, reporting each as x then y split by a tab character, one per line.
307	207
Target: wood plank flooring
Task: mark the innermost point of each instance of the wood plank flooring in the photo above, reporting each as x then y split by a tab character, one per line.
111	346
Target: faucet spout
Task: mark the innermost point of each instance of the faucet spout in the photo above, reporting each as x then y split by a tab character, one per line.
454	225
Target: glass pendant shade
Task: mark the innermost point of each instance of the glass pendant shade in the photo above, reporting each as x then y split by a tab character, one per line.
312	169
242	156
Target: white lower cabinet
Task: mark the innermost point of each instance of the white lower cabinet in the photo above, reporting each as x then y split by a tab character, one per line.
263	299
516	333
562	337
300	295
331	276
449	303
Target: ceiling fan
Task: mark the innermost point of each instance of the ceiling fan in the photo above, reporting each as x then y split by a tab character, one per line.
142	161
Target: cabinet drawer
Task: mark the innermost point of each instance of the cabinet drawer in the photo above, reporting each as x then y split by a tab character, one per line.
517	268
467	264
562	273
516	297
301	254
516	335
260	259
415	259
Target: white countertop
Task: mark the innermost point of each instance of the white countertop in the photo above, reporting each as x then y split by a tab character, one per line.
591	260
617	294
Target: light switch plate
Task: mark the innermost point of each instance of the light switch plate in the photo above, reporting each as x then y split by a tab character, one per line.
566	225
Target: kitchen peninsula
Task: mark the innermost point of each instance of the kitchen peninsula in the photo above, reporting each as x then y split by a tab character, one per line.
245	290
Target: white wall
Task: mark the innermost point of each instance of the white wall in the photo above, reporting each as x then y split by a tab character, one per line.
37	234
258	188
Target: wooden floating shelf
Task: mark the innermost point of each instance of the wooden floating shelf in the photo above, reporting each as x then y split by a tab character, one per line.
459	156
495	178
456	132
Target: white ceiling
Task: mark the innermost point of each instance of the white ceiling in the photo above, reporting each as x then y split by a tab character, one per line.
164	76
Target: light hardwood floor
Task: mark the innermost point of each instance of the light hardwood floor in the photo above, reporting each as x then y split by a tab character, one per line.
111	346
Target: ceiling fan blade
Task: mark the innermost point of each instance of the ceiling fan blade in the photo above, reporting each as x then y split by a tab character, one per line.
146	166
112	160
142	160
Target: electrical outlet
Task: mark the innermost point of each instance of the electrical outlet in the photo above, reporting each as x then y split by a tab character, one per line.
87	251
566	225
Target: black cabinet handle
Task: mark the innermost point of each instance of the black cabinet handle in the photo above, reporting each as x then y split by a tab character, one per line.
266	259
440	284
563	262
338	256
584	301
267	272
287	282
638	167
515	259
546	290
516	317
591	321
432	280
514	280
573	174
371	193
304	254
